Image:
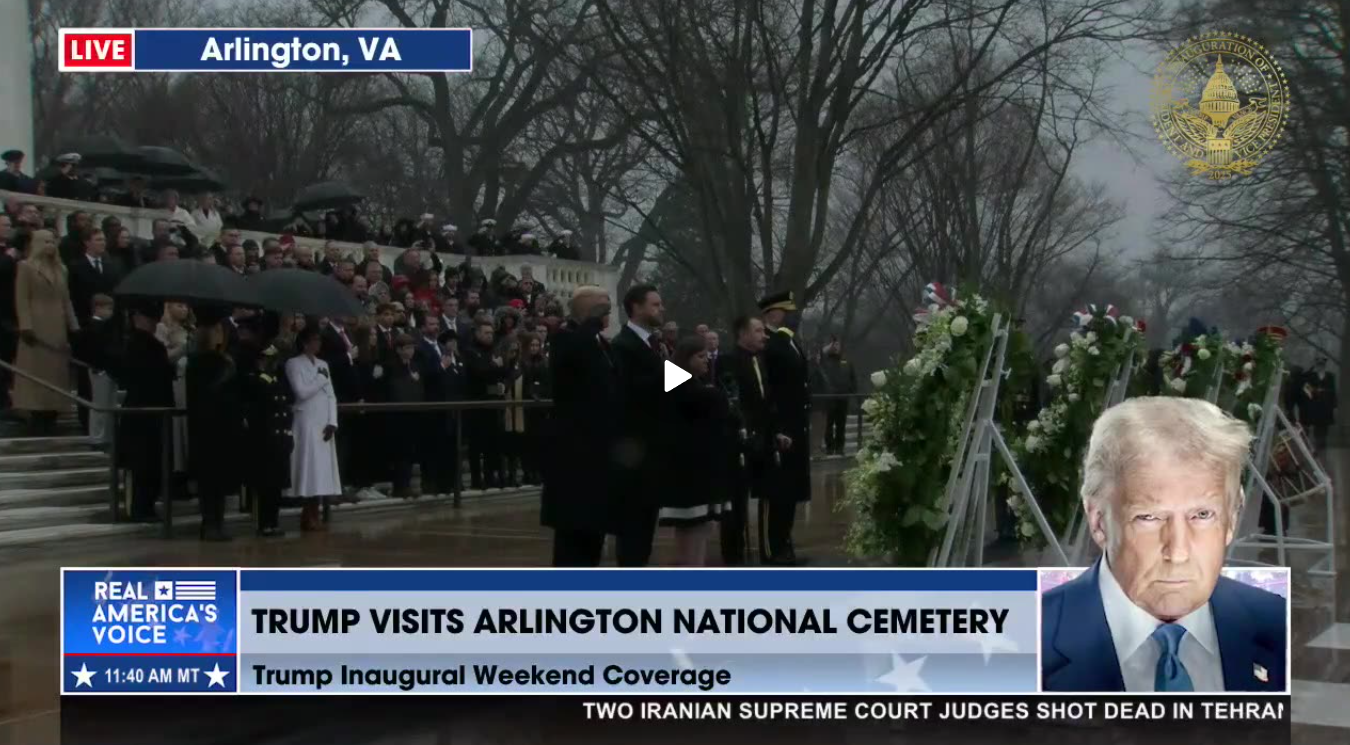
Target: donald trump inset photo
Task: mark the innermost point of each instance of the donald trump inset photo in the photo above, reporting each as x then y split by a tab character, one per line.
1162	493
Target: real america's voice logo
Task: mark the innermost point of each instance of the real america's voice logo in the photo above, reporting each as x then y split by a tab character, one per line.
132	613
149	630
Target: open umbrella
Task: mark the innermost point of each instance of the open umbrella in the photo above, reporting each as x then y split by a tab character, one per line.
198	181
326	195
103	151
163	161
188	281
303	291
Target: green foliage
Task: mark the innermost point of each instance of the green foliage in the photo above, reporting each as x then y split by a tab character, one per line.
1050	449
918	415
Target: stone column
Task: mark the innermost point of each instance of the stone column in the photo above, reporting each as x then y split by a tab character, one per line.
16	84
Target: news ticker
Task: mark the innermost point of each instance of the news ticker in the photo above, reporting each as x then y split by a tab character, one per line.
266	50
148	631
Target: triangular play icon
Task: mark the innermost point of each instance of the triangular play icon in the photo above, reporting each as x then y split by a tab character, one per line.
675	375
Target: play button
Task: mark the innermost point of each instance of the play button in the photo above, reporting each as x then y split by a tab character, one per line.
675	375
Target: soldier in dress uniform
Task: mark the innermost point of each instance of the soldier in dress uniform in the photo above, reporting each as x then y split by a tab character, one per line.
788	382
268	414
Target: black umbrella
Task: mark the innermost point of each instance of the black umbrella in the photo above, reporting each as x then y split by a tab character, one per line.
103	151
199	181
327	195
189	281
106	176
303	291
163	161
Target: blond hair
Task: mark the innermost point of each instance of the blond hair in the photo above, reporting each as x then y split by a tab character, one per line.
1194	431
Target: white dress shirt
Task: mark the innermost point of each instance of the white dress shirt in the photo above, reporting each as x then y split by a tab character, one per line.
643	333
1131	629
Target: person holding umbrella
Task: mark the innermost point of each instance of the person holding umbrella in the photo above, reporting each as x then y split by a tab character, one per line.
314	462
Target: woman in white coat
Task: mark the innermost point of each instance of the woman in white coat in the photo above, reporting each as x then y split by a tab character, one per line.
314	461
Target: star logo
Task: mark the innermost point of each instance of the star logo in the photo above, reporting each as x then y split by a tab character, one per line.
163	590
682	660
84	676
904	676
217	676
180	636
991	643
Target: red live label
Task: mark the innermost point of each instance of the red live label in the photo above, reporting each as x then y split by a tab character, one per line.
97	50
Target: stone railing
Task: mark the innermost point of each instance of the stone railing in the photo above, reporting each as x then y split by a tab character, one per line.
558	275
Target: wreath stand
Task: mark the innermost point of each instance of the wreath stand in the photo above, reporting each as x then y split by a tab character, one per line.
966	500
1303	480
1076	534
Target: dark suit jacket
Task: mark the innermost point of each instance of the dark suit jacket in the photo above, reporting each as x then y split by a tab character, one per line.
1078	654
749	407
580	433
641	385
346	378
85	283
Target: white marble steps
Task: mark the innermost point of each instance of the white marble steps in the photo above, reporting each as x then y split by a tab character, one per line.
52	461
92	476
15	518
63	496
39	445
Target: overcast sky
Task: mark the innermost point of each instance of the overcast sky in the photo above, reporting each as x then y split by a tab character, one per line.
1135	184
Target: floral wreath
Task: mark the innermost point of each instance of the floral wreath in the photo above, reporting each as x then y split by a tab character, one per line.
1189	369
1250	368
1051	446
917	413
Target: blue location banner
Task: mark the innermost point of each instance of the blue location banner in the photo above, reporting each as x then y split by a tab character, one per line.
149	630
267	50
516	631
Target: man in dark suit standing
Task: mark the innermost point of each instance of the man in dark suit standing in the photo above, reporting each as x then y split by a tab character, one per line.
581	433
483	381
147	376
1162	491
638	464
742	377
788	381
95	273
1317	404
337	348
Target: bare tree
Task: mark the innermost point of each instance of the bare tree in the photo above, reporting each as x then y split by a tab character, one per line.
1281	234
757	102
534	61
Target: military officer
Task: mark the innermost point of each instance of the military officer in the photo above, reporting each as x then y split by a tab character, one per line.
268	414
788	384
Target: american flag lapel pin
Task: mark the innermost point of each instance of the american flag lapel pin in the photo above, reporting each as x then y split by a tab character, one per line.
1261	673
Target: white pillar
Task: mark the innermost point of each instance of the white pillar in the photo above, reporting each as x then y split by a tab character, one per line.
16	84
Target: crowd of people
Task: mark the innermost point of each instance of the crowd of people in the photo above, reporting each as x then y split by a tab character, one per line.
203	218
614	454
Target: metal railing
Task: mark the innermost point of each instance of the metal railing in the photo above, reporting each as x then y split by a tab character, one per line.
166	415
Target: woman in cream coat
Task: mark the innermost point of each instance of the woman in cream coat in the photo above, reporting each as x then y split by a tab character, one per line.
314	461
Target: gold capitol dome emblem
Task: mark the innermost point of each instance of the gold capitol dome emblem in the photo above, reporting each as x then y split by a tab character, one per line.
1220	102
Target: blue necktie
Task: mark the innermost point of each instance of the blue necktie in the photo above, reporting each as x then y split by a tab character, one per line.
1171	676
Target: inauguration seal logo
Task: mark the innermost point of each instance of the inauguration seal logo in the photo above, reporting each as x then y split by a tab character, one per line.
1220	103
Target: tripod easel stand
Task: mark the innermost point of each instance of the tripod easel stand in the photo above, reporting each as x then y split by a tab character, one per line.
1312	482
966	501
